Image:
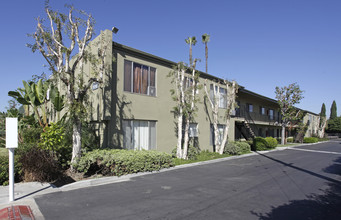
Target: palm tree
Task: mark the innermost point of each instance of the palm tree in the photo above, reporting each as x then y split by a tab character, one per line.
191	41
205	39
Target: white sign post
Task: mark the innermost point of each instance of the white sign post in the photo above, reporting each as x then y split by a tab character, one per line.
11	144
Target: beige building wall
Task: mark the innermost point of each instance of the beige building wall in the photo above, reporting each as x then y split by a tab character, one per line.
110	104
159	108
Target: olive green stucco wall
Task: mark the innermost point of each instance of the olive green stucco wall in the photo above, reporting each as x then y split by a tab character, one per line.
110	104
159	108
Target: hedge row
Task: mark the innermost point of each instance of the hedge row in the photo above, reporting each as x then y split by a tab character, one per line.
121	162
260	143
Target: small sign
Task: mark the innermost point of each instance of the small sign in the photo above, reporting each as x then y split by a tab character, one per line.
11	132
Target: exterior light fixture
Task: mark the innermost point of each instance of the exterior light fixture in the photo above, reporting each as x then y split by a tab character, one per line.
114	30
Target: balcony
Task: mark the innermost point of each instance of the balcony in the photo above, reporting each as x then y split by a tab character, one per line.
256	117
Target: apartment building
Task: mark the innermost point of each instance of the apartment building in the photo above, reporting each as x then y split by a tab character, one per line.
133	107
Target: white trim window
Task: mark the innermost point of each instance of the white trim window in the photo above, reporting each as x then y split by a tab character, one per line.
271	114
262	110
222	93
139	135
221	129
139	78
193	130
250	107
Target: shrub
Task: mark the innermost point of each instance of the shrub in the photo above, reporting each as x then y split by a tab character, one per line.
4	170
259	144
191	154
310	140
232	148
121	162
237	147
244	146
272	142
290	140
38	165
32	135
53	139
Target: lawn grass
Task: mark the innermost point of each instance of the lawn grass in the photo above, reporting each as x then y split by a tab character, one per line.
203	156
3	151
288	145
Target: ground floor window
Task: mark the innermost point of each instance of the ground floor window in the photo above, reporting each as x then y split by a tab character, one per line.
220	134
139	135
193	130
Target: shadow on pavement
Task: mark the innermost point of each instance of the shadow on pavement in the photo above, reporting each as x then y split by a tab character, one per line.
303	170
326	206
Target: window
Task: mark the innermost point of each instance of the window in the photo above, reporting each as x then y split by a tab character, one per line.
138	135
262	110
139	78
271	114
222	93
95	85
220	134
250	107
193	130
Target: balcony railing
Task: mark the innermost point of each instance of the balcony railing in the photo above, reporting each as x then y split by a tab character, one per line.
243	112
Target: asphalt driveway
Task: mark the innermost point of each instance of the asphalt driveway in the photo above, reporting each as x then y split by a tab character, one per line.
304	183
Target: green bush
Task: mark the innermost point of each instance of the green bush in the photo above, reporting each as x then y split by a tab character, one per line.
121	162
310	140
244	146
232	148
290	140
32	135
53	139
192	153
272	142
259	144
237	147
4	170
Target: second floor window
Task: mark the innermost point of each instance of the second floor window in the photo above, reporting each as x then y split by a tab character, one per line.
250	107
262	110
271	114
139	78
222	93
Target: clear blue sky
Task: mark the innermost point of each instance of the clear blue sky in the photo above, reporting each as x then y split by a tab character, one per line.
259	43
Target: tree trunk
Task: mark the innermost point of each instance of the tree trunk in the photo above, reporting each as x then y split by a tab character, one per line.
178	147
322	127
226	131
190	56
283	134
216	130
186	138
76	141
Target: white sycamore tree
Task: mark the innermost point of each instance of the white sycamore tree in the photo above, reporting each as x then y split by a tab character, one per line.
185	95
58	38
215	96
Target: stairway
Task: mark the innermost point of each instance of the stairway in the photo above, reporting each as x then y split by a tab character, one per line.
249	129
246	130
